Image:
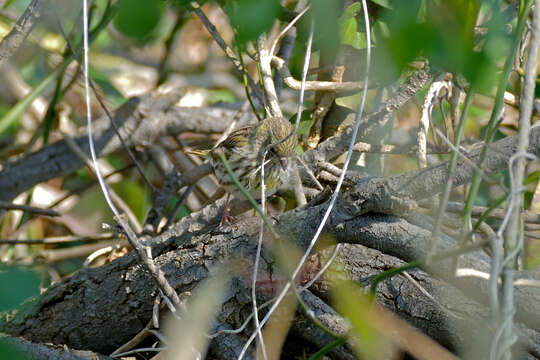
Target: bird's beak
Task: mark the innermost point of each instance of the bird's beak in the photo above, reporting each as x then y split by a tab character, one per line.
283	162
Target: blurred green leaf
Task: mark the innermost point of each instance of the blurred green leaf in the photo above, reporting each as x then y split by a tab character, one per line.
306	121
348	27
383	3
186	4
134	195
347	30
443	32
114	97
17	285
251	18
10	351
534	203
352	301
352	10
8	3
137	18
351	101
222	95
187	333
533	177
326	34
14	114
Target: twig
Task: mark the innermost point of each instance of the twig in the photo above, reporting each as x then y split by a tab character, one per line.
513	240
337	145
137	339
266	76
432	97
313	85
463	156
409	149
287	28
452	167
226	49
58	239
286	45
497	213
30	209
80	251
20	30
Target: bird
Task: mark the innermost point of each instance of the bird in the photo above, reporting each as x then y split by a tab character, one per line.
244	149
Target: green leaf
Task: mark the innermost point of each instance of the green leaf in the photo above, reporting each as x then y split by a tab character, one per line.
17	285
186	3
351	301
251	18
347	30
348	27
8	350
16	111
135	196
222	95
359	41
306	121
353	10
326	35
383	3
137	18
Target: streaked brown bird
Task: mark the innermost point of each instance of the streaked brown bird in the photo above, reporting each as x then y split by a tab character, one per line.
244	149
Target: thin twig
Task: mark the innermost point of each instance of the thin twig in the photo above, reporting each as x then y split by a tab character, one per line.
513	240
59	239
313	85
30	209
433	96
226	48
271	97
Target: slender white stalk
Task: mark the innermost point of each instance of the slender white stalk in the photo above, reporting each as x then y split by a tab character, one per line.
285	29
256	265
101	180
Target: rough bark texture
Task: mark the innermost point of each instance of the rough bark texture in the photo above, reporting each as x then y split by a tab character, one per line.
33	351
100	309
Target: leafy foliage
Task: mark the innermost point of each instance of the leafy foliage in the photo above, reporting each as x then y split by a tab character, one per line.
251	18
138	18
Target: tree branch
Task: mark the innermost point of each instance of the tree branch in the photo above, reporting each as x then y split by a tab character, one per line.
20	30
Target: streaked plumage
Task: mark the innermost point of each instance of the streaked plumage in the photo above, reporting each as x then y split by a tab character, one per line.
244	150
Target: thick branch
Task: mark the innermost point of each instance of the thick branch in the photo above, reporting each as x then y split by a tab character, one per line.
99	309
